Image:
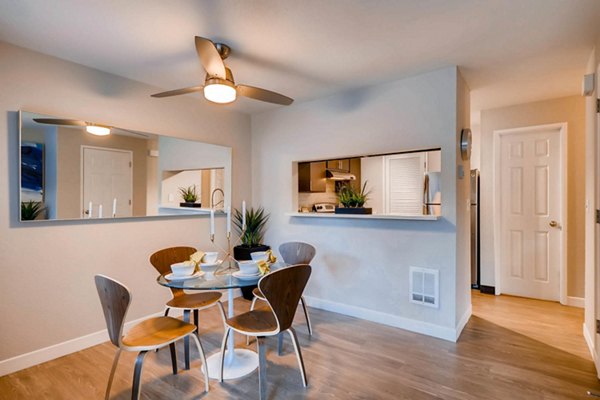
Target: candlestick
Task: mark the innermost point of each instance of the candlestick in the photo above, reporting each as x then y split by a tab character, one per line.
100	211
228	221
244	215
114	213
90	209
212	222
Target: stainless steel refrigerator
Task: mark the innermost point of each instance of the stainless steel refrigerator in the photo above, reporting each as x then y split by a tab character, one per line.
475	267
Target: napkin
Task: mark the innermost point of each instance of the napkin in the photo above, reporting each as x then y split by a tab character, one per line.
263	267
196	258
271	257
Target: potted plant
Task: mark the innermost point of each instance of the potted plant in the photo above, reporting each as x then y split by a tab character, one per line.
189	196
353	200
30	210
251	238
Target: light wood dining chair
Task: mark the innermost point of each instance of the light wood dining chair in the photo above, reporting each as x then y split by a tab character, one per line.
148	335
162	260
282	290
292	253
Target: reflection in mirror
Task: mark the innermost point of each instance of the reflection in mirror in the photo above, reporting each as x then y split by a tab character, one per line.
69	173
406	183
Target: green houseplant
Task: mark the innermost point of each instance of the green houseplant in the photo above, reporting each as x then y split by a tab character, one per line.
30	210
353	200
189	196
251	238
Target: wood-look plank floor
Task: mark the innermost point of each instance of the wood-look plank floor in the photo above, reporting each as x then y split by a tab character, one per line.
512	348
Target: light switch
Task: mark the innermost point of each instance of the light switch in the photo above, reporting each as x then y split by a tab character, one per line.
171	197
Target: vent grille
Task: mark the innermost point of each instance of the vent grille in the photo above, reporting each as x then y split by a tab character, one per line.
424	286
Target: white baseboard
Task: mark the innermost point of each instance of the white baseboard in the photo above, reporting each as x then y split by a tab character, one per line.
396	321
576	301
590	341
463	321
39	356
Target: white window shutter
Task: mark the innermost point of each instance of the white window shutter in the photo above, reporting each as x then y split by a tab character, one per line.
404	183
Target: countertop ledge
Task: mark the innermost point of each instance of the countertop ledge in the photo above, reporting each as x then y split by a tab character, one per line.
363	216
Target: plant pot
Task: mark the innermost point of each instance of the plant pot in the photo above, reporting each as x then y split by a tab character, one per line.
241	253
353	210
190	204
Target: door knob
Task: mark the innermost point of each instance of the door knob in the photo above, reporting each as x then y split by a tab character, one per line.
553	224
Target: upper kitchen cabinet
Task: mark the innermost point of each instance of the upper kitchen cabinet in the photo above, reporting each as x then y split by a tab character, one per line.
311	177
341	164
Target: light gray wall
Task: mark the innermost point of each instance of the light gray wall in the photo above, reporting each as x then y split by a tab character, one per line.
47	294
365	263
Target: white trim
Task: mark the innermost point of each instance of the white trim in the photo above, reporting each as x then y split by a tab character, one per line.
425	328
562	127
39	356
589	341
463	321
575	301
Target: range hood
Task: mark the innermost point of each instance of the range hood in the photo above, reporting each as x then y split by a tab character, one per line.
337	175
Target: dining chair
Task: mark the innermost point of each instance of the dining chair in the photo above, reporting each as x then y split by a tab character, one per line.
148	335
162	260
282	290
292	253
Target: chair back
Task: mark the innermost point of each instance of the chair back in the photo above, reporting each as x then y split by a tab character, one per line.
115	299
282	290
297	252
162	260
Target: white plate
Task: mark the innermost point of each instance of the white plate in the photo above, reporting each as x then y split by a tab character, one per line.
218	262
243	277
172	277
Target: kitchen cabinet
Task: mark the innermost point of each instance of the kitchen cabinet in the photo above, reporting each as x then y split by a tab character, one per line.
311	177
341	164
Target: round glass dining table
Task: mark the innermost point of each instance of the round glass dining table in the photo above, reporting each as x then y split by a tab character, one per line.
239	362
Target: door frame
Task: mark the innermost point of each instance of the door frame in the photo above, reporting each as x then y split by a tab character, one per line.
81	161
497	209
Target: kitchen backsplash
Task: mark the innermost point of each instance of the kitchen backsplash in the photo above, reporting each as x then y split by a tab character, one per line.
329	196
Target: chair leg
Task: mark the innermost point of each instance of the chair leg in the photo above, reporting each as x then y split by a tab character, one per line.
112	374
203	359
167	309
196	322
186	340
262	367
137	375
173	357
254	299
280	343
227	330
308	324
298	355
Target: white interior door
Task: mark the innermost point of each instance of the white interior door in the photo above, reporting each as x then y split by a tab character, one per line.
107	175
531	188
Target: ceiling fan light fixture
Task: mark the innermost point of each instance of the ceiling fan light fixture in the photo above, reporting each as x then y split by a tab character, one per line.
98	130
221	92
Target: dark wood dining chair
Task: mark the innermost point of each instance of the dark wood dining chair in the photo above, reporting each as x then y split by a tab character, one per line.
148	335
162	260
292	253
282	290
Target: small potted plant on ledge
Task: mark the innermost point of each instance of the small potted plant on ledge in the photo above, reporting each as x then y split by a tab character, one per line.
30	210
353	200
251	237
189	196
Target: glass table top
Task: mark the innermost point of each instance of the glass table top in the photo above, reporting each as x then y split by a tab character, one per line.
215	279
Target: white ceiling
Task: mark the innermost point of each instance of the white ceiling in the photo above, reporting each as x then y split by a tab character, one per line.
510	51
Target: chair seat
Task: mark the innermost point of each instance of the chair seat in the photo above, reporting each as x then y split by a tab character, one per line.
255	321
156	332
196	300
257	293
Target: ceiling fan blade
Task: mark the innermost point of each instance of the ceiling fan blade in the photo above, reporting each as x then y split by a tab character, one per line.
179	91
210	58
60	121
263	95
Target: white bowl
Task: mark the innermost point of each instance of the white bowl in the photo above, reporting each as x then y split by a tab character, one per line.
185	268
259	256
210	257
248	267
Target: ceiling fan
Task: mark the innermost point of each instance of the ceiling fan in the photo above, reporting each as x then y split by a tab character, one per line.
90	127
219	86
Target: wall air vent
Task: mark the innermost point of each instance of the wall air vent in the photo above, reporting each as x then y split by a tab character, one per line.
424	286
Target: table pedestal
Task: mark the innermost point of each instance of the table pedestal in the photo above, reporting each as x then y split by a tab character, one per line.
239	362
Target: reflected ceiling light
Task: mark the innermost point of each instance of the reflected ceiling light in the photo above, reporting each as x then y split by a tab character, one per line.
98	130
219	91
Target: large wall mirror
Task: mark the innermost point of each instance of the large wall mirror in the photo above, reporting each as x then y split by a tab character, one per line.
72	169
